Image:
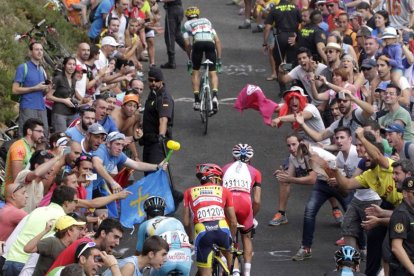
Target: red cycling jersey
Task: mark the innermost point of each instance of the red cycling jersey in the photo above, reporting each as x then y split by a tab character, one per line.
240	178
207	202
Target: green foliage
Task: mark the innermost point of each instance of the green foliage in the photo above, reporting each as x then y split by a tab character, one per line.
17	17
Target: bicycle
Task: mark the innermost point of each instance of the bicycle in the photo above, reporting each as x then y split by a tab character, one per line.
206	104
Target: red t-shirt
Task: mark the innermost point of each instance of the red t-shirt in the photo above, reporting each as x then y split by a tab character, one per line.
10	216
207	202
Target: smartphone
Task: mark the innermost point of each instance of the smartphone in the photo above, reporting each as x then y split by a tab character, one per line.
287	66
332	164
91	177
341	95
66	150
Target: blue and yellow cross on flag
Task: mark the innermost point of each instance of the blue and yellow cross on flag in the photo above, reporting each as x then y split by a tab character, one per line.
154	184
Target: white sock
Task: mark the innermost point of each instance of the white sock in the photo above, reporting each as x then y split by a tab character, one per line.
247	267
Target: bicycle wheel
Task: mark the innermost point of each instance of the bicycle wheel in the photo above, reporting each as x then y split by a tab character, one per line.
206	108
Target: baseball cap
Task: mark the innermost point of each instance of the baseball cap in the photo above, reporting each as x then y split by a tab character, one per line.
131	98
381	87
65	222
109	40
79	68
408	184
115	135
295	89
394	127
368	63
389	32
96	128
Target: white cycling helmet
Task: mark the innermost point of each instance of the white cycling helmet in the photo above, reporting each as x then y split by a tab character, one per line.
243	152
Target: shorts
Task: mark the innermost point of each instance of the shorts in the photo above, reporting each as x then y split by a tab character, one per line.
206	47
207	234
178	260
271	39
149	33
244	211
355	214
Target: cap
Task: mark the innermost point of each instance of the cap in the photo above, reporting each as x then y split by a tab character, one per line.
295	89
381	87
389	32
109	40
61	142
115	135
156	73
65	222
131	98
368	63
408	184
79	68
96	128
394	127
320	2
332	1
333	45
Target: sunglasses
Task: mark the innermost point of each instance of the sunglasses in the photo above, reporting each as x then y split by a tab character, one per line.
21	186
330	51
330	5
86	246
153	80
366	69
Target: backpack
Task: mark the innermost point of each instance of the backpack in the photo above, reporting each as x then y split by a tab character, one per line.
406	147
26	68
353	119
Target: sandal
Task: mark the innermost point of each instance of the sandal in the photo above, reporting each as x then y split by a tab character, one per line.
272	77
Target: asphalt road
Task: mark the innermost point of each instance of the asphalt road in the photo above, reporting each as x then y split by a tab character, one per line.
243	62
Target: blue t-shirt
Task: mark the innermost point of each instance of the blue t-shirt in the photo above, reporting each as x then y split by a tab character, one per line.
112	164
35	75
75	134
108	124
124	261
98	22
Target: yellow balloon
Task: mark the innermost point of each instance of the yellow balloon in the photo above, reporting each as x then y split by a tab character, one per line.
173	145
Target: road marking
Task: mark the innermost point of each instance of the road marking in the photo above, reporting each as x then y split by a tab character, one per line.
241	69
281	255
225	101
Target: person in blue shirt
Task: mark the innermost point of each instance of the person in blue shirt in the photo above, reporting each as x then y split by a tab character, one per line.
172	231
98	19
108	160
78	132
31	84
101	115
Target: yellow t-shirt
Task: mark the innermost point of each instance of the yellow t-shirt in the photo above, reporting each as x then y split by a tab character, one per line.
380	180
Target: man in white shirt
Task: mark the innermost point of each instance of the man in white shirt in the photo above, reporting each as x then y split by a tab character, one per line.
108	46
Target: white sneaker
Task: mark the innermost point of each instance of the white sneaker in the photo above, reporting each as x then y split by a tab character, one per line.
215	104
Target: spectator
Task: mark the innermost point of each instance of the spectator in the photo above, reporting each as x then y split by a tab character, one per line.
381	22
118	11
334	11
347	49
95	136
63	201
41	167
375	128
173	17
135	86
333	52
370	48
76	6
82	55
106	238
344	26
68	163
101	115
113	29
394	132
20	151
98	18
247	15
87	118
67	230
396	112
110	98
128	121
365	10
64	96
12	213
31	83
401	14
108	46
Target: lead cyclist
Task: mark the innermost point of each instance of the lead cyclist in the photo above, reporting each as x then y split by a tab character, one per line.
200	37
172	231
242	180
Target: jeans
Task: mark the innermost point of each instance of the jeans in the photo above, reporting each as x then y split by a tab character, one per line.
11	268
321	192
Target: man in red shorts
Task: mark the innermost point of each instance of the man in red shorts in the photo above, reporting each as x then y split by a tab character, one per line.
209	206
242	179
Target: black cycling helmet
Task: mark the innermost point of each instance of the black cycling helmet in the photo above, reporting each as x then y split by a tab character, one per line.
192	12
154	206
243	152
347	256
205	172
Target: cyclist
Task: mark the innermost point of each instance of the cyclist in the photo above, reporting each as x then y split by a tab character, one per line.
241	179
347	261
210	205
204	40
172	231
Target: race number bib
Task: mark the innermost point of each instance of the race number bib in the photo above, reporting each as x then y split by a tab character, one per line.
210	213
176	237
237	178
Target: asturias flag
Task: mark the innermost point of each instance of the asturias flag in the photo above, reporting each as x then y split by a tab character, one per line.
154	184
252	96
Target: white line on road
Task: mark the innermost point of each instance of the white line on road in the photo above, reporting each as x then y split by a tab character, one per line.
281	255
226	101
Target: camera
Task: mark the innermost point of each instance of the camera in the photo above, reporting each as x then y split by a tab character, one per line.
287	67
